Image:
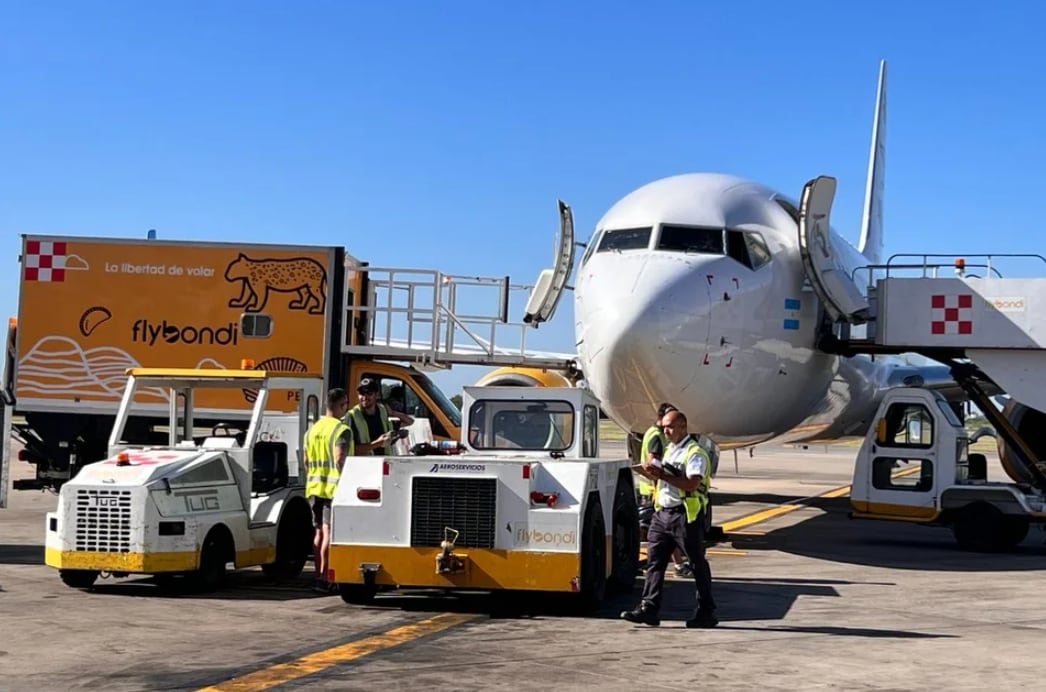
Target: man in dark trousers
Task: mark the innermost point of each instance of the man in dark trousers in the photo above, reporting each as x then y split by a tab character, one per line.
654	445
680	499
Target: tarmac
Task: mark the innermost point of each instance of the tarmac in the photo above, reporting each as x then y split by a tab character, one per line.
808	599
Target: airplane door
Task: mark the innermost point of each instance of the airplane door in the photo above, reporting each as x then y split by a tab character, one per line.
828	277
552	282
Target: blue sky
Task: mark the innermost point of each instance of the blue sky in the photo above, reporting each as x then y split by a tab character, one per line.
441	134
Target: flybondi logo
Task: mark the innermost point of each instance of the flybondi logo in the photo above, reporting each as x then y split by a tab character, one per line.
554	539
1008	304
469	468
146	332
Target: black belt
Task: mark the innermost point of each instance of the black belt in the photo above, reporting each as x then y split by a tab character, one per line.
676	508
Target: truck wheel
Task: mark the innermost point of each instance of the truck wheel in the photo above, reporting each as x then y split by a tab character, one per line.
1014	530
979	527
625	556
78	578
593	559
214	555
293	543
357	594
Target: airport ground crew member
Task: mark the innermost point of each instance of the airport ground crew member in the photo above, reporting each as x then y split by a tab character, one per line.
682	480
653	447
371	421
327	442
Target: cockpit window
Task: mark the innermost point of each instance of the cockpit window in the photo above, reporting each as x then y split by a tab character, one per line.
707	241
758	252
736	247
625	239
748	248
591	246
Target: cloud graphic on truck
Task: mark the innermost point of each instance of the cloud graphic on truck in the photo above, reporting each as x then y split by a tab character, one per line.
57	367
76	263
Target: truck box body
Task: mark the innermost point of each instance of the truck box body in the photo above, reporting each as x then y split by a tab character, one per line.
89	308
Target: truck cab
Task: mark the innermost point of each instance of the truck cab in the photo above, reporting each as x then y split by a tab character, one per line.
231	493
409	391
915	466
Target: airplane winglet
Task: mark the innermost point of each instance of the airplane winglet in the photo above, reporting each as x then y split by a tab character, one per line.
871	241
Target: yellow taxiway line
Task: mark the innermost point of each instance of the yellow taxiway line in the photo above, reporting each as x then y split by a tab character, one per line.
310	664
733	525
758	517
316	662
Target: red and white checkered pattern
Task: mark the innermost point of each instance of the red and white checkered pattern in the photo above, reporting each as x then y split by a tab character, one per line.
951	314
44	260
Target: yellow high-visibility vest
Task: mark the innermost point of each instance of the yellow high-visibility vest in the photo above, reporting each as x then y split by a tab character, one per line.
320	442
356	415
694	500
646	486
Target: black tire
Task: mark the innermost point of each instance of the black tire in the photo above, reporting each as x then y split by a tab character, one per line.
215	553
624	564
78	578
1014	530
593	558
166	581
357	594
980	527
293	543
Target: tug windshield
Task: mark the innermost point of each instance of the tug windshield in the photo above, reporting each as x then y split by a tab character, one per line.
522	425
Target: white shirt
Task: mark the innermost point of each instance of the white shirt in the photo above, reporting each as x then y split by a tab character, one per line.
677	456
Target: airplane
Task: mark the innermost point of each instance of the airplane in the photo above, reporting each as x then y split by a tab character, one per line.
694	289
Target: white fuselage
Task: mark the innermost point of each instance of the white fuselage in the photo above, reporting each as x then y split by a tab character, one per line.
731	345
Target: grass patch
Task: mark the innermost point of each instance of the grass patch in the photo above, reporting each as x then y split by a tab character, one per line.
609	430
985	444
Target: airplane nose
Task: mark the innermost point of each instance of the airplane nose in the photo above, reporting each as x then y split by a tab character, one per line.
635	314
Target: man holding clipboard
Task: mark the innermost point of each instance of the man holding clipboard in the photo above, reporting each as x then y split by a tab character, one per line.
680	499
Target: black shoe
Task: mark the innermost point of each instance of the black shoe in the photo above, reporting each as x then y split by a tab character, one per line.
703	619
641	616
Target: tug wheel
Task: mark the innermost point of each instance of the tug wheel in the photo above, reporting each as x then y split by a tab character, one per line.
78	578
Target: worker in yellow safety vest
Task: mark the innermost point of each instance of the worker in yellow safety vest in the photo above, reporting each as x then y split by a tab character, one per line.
327	442
680	500
654	444
371	421
653	447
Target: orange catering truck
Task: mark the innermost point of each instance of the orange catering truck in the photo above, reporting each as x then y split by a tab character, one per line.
90	308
